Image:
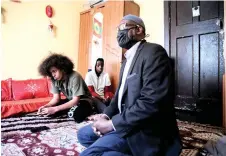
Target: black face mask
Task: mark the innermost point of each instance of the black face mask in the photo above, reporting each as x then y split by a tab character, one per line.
123	39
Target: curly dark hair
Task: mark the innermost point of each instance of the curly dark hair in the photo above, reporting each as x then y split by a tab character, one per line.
58	61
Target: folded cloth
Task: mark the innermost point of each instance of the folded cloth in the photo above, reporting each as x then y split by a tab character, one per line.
217	148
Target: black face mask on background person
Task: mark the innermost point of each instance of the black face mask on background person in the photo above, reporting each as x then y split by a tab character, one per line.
123	39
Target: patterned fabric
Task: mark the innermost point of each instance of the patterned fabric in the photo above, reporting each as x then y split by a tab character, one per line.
58	142
61	138
71	111
28	89
39	88
194	136
6	92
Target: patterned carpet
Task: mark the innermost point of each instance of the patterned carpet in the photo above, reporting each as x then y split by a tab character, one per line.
60	139
194	136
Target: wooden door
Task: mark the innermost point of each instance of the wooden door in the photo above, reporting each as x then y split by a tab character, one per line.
84	42
197	50
112	52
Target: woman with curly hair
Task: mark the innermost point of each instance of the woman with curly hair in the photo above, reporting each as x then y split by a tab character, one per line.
64	79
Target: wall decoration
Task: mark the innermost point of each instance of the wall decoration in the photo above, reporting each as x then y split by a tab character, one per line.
49	11
16	1
50	27
97	28
49	14
97	32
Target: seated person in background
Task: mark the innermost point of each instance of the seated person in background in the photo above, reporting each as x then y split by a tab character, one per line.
78	98
99	85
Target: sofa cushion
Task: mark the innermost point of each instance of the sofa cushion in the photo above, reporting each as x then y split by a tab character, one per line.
6	90
49	86
22	89
10	108
39	88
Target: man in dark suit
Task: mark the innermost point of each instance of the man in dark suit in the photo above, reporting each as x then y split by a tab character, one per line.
140	120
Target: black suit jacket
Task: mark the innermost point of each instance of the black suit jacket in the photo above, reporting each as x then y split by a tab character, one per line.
148	119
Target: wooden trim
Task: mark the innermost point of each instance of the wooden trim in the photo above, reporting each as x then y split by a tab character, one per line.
130	7
101	5
167	27
83	12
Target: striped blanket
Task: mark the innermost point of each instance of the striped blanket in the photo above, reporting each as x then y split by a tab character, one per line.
26	123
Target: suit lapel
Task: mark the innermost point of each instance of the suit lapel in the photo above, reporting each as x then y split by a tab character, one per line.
121	72
120	76
133	63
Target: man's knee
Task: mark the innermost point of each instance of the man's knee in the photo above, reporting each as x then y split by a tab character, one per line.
101	151
86	136
86	153
83	133
91	151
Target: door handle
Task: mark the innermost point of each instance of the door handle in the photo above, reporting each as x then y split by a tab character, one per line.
219	22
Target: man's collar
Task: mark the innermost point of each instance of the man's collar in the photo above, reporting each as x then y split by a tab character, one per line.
133	48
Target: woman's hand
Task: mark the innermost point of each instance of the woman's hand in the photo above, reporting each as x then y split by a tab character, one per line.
48	111
40	109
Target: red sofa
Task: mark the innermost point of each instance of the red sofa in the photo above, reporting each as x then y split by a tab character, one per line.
23	96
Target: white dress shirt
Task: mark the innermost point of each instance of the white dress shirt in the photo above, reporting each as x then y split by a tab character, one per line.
129	55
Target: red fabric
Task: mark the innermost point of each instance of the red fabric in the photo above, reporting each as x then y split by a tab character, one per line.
39	88
6	90
107	92
108	95
49	82
92	91
10	108
22	89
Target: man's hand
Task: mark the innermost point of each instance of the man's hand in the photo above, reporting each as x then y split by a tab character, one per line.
96	132
48	111
103	126
98	116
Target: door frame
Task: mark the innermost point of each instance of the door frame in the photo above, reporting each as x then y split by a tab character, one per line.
167	36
